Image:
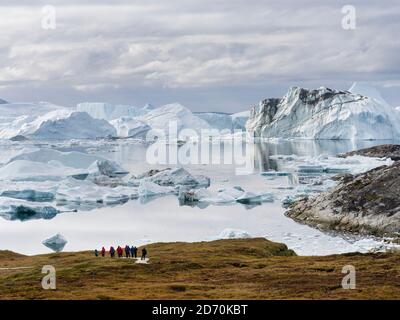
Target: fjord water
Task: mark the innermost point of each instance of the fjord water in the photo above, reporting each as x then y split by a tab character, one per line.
164	220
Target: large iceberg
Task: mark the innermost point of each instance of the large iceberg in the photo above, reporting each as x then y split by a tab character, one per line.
77	125
324	114
48	121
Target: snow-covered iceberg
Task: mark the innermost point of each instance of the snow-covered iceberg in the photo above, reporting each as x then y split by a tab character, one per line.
46	121
56	243
77	125
324	114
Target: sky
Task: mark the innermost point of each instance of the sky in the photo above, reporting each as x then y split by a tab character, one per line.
219	55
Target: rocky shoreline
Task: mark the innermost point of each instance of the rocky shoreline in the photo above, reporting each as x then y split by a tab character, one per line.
367	203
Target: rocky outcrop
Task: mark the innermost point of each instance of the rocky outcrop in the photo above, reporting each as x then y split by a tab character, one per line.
391	151
369	203
323	113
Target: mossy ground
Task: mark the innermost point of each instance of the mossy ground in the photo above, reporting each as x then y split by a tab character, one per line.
223	269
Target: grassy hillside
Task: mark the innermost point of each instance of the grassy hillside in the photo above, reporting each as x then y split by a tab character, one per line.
223	269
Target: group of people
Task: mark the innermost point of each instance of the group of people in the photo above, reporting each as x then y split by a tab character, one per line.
127	251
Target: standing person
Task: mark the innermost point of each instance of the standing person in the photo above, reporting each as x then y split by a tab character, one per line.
96	253
127	251
112	252
103	252
144	252
119	251
133	252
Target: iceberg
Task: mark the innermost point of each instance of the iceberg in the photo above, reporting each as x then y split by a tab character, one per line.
162	117
179	177
229	233
239	120
14	209
76	194
128	127
150	189
223	197
47	121
324	114
55	243
77	125
217	120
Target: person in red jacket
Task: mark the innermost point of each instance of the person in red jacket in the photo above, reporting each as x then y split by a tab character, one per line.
119	252
103	252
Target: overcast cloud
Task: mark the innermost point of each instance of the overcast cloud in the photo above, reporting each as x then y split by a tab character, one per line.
209	55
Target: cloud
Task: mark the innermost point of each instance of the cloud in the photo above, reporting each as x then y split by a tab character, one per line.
196	46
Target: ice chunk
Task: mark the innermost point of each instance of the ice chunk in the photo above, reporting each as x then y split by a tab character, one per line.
77	194
55	243
229	233
107	168
179	177
252	198
14	209
192	196
130	127
150	189
224	196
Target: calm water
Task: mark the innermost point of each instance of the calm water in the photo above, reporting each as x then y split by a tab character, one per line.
162	219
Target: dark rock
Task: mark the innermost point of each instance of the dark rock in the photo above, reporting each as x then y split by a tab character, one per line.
368	203
382	151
